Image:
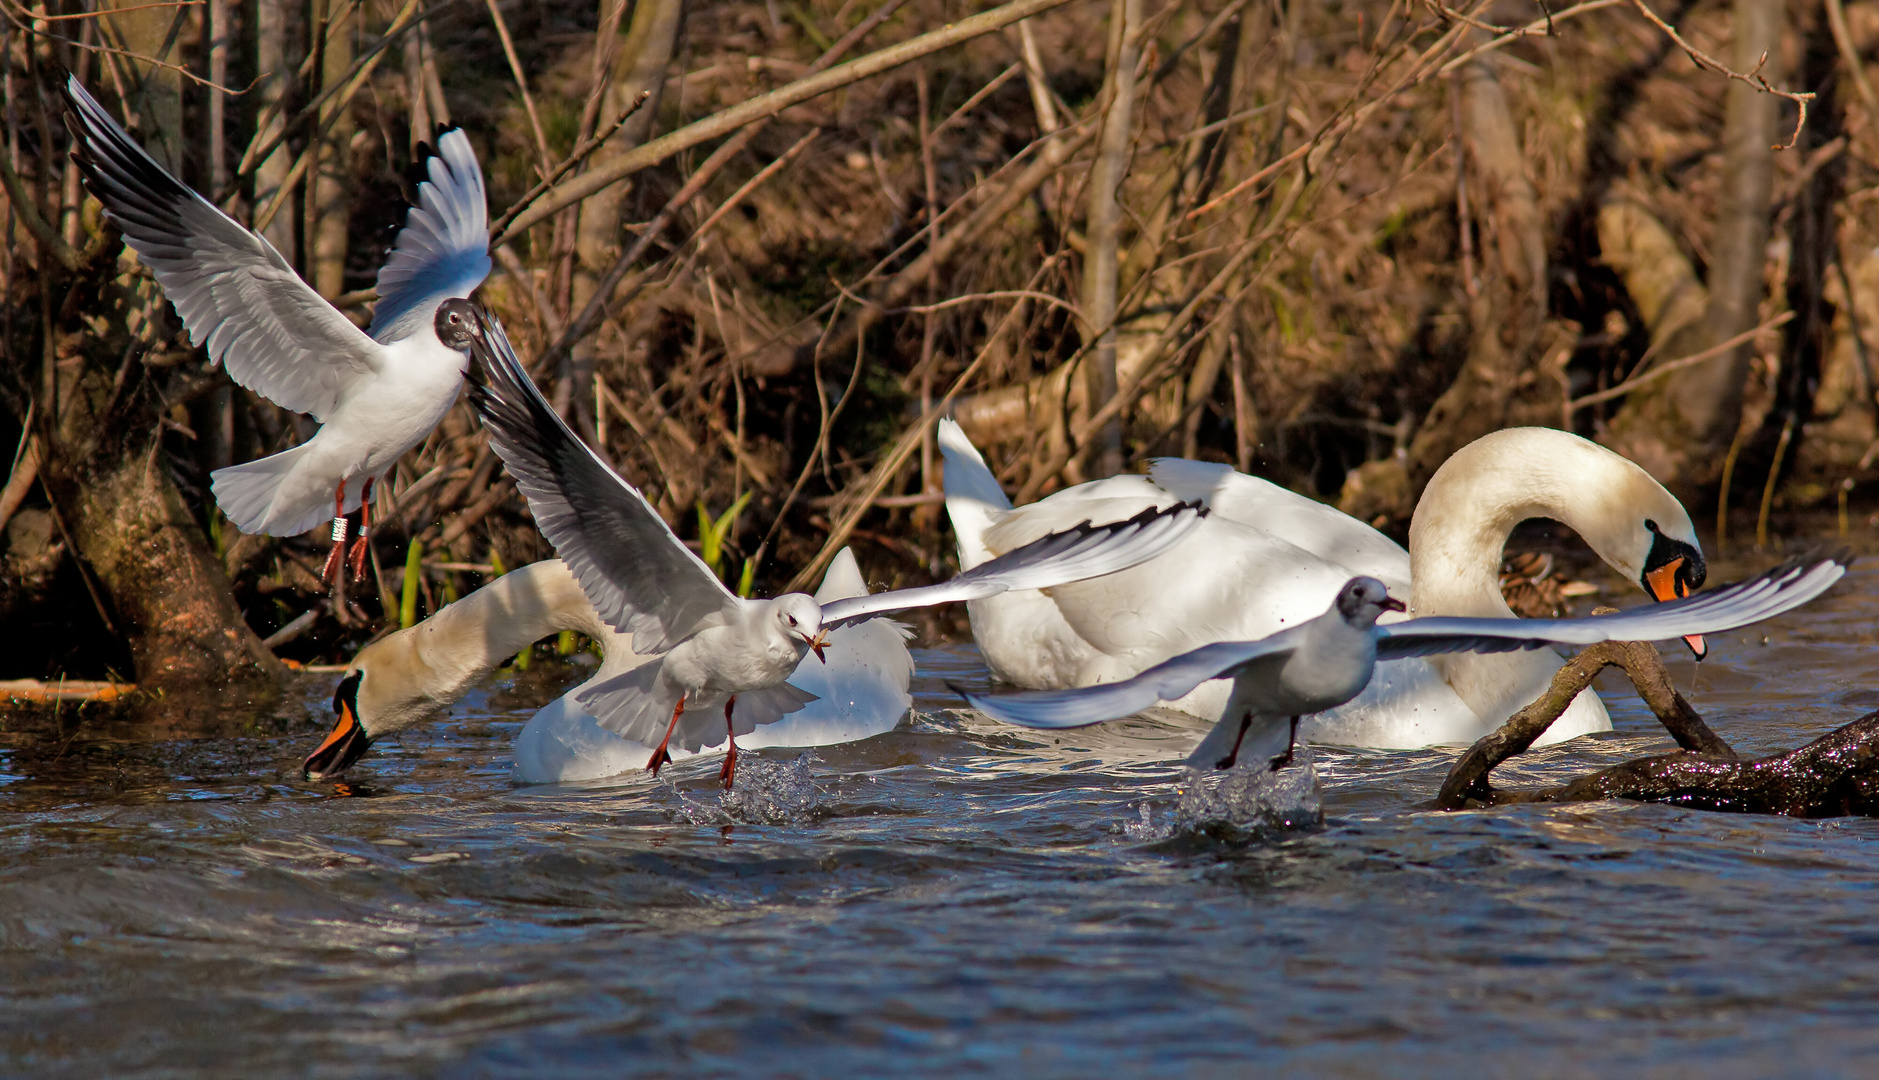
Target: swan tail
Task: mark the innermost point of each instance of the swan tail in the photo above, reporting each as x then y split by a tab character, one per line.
973	498
259	497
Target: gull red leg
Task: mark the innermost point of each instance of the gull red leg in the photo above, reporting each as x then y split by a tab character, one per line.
338	557
662	756
365	526
1233	755
728	772
1291	744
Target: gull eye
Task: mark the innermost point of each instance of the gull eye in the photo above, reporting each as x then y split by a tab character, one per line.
791	618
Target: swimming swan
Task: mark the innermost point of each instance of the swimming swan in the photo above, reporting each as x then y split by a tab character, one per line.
416	674
1267	559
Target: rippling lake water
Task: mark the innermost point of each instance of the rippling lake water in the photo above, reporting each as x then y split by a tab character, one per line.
954	898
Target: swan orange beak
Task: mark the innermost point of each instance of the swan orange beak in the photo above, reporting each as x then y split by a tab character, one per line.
1667	583
347	742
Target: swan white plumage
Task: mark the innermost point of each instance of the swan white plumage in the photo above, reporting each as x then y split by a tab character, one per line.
415	675
1267	559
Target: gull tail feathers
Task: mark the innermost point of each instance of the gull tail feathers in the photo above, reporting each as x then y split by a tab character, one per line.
973	498
251	495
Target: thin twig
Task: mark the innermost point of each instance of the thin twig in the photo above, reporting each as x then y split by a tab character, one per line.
773	103
569	163
1661	370
521	84
1753	78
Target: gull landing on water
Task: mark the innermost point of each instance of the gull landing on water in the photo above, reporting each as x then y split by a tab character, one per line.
377	392
720	648
1327	661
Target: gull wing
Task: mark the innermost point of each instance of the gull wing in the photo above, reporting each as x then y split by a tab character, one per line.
443	249
1081	551
1781	589
640	578
1166	681
235	293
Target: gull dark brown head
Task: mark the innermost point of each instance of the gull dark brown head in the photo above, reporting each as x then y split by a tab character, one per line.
458	323
1363	599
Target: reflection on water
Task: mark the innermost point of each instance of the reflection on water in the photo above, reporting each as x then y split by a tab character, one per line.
954	897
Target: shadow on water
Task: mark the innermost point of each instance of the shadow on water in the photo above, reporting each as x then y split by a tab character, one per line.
952	898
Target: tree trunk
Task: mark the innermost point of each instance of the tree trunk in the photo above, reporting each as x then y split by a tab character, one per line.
643	58
156	579
329	222
1104	223
1510	375
277	82
1680	427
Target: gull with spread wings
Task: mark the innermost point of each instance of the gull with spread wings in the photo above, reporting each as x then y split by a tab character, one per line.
1323	663
642	580
376	392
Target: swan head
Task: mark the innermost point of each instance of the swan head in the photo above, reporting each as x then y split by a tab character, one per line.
349	739
1486	488
384	690
1363	600
800	619
1644	533
458	322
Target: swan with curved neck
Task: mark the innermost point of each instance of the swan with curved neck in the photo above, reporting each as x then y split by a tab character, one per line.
1268	559
416	674
1474	501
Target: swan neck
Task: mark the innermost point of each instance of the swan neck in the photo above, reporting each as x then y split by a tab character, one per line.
475	635
1459	531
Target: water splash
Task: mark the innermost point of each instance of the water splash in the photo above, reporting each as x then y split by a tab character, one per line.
766	793
1250	802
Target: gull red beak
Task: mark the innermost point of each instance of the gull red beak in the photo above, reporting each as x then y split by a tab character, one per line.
1667	583
818	643
1391	603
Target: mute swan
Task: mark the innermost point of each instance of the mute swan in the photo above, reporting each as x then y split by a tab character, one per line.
1324	662
416	674
377	392
1268	558
720	649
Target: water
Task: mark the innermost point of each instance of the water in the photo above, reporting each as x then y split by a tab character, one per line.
955	898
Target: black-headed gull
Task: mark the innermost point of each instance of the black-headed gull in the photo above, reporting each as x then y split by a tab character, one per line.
642	580
377	392
1327	661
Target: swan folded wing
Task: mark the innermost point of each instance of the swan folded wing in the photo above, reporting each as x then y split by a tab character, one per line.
1082	551
1781	589
1325	531
443	249
1166	681
234	292
640	578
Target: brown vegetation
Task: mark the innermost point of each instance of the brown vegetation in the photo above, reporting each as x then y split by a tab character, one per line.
1330	243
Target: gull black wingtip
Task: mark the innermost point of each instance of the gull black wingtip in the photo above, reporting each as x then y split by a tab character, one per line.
970	695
